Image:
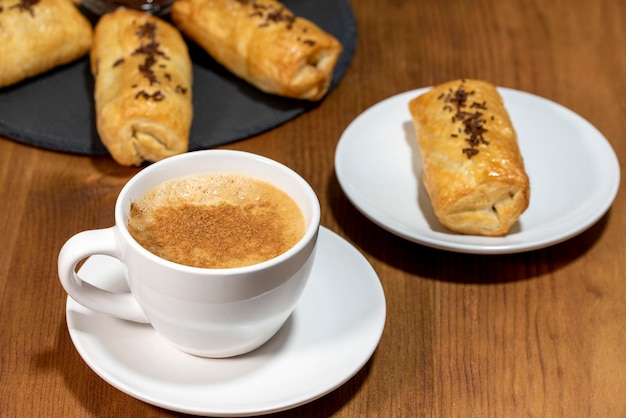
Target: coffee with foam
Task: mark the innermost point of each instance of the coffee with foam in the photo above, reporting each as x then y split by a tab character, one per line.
216	220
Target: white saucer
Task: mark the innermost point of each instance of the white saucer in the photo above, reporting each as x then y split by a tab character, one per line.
574	175
332	333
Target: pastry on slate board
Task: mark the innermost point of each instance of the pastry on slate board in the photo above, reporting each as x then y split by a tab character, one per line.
143	80
264	43
37	36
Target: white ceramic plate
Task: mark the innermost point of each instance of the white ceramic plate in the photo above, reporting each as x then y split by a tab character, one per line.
574	175
332	333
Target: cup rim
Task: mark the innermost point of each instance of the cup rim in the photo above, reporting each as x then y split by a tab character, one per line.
310	233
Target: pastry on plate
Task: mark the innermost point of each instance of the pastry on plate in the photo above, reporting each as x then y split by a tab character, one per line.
473	170
264	43
143	80
37	36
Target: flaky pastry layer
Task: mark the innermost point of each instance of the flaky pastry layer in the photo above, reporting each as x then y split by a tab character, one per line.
143	80
473	170
36	37
264	43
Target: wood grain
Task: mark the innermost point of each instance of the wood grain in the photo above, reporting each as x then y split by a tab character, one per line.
537	334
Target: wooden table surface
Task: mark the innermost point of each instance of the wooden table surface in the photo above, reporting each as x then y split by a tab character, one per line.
534	334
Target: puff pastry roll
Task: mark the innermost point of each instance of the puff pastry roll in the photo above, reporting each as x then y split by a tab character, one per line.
473	170
37	36
143	80
263	43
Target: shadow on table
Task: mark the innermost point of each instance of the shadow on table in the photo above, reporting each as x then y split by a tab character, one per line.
437	264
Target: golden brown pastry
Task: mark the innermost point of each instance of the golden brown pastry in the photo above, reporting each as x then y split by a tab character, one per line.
263	43
472	166
38	35
143	82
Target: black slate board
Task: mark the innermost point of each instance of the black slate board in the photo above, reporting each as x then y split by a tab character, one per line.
55	110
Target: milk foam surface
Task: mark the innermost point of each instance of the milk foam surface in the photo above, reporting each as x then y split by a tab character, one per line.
216	221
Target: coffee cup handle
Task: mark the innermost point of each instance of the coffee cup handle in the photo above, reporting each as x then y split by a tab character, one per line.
81	246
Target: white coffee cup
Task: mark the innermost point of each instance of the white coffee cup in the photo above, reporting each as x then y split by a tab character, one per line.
202	311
